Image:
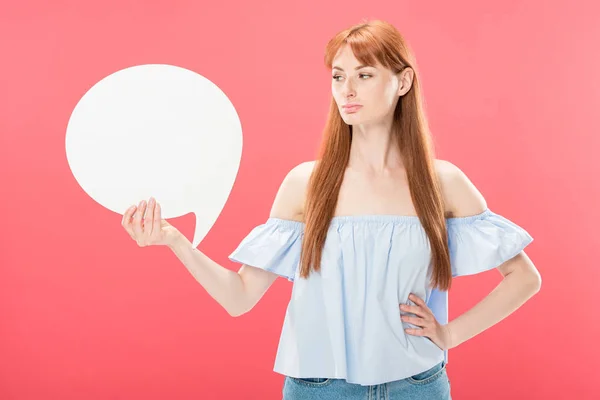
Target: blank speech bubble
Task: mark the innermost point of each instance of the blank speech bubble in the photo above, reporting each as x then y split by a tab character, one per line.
156	130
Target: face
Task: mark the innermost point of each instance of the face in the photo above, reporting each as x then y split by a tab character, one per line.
376	89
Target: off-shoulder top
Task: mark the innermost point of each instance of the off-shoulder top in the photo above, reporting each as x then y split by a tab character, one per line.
344	321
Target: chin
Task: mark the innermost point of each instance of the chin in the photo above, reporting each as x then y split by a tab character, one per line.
351	120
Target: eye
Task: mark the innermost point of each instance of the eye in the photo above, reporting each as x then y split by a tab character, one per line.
339	76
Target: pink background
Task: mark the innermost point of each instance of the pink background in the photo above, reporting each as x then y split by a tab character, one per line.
512	91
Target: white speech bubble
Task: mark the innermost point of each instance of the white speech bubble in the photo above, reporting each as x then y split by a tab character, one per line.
156	130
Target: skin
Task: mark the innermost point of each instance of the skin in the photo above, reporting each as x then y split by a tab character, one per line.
378	90
374	153
375	166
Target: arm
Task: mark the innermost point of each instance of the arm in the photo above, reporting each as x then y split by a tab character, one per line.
512	292
521	280
238	292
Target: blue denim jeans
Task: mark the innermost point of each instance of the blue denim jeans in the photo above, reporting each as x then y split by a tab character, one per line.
432	384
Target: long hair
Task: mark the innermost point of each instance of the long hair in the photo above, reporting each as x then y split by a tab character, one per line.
381	41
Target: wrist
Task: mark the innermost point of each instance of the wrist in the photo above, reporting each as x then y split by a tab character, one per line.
174	238
451	340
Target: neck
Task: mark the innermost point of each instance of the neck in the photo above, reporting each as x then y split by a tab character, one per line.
374	150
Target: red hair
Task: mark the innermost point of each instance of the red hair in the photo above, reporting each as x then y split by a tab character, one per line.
377	41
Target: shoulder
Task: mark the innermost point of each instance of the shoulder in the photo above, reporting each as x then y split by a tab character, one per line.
461	197
289	201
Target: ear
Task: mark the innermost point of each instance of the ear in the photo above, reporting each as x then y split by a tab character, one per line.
405	78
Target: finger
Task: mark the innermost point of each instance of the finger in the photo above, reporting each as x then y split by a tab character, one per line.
137	220
415	321
415	331
126	221
127	216
157	218
149	217
417	300
417	310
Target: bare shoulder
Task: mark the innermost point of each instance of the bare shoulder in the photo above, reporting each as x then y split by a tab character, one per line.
461	197
288	204
290	198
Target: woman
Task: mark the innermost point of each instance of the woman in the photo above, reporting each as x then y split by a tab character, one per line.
371	234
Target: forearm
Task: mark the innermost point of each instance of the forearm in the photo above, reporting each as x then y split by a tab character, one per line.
222	284
512	292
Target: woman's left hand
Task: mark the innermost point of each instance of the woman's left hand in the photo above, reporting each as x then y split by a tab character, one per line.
439	334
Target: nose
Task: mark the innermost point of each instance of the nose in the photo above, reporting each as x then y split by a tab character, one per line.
348	89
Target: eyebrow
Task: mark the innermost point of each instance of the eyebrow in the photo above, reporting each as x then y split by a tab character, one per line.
357	68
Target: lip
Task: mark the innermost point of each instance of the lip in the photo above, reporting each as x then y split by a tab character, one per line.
351	107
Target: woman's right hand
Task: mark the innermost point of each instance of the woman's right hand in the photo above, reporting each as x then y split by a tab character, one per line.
149	229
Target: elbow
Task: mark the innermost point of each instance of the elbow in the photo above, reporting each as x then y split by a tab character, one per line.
538	284
526	273
241	302
529	282
237	311
533	275
535	282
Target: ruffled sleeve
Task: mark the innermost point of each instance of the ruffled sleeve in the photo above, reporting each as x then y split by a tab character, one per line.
484	241
274	246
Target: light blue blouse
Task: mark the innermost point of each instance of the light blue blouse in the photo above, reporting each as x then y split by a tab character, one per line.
344	322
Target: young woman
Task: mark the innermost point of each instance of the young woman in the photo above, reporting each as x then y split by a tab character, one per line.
371	234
